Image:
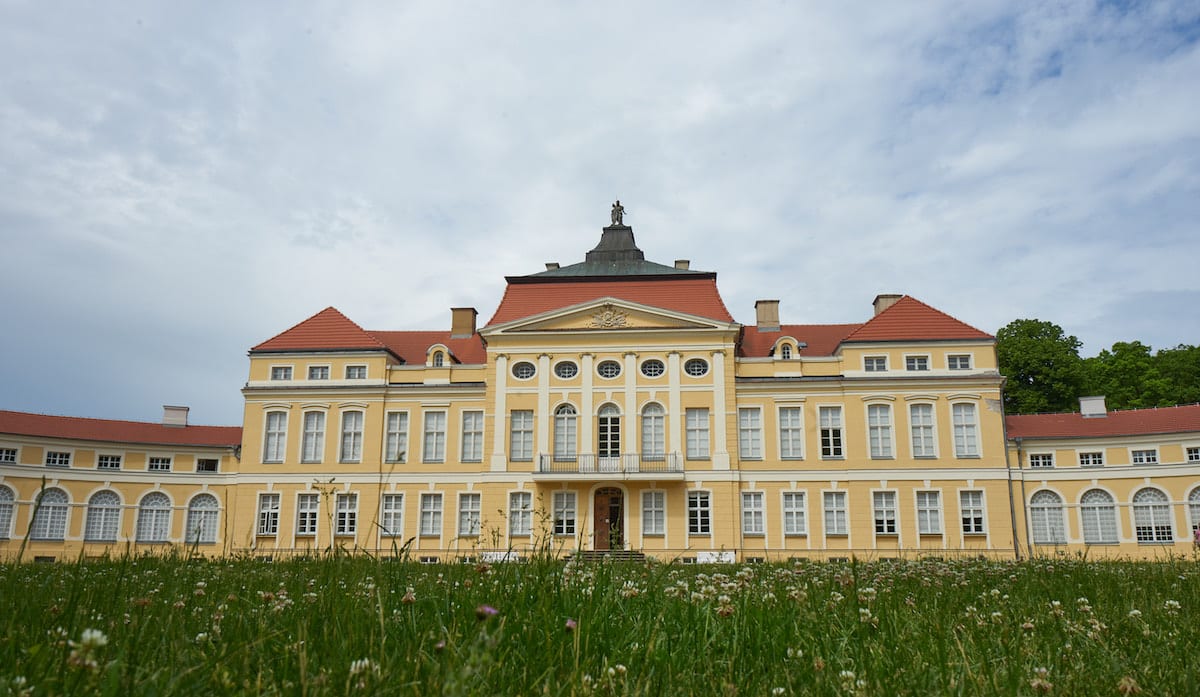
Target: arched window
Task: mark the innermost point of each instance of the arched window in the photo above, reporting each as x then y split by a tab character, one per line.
785	352
564	433
1152	516
438	359
653	440
50	520
103	517
1099	514
6	511
609	431
154	518
1193	510
202	520
1046	517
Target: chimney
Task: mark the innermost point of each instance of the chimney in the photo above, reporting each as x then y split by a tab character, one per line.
683	264
174	416
552	266
767	312
462	322
1092	407
883	302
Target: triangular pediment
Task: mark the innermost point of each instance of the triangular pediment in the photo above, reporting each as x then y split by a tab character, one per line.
607	314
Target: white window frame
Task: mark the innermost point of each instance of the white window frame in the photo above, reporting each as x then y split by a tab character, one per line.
966	430
59	457
431	514
885	512
9	456
470	513
268	514
1153	521
391	514
345	518
1042	460
471	443
754	513
320	372
1191	453
153	525
973	518
520	435
215	468
281	373
114	461
566	433
312	438
750	425
433	436
102	523
1046	521
353	424
308	513
159	463
923	430
1098	518
564	511
8	502
791	432
1091	456
654	513
202	523
395	436
795	514
929	511
569	367
916	362
351	372
52	518
698	372
1143	456
955	361
697	436
880	433
608	369
875	364
659	369
275	436
654	438
832	432
835	512
699	509
520	513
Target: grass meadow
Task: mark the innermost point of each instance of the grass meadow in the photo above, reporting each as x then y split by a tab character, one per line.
354	625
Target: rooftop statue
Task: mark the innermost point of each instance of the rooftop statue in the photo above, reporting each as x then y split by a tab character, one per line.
618	213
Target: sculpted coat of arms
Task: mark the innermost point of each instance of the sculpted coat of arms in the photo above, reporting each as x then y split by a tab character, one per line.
609	317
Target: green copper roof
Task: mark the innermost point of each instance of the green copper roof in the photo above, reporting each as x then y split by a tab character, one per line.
616	255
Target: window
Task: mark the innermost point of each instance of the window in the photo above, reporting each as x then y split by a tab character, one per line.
1193	454
609	429
699	513
879	430
395	447
696	367
653	433
435	437
103	517
885	512
391	515
281	372
1038	460
564	512
1193	510
654	512
750	433
752	513
1152	517
1046	518
468	515
313	446
275	436
159	464
566	370
696	421
653	368
200	527
831	431
56	458
318	372
1093	459
520	513
439	359
875	364
207	464
608	369
307	508
1144	457
154	518
916	362
835	513
1099	514
7	499
920	418
8	455
356	372
352	436
472	436
965	442
50	518
521	439
268	514
523	370
970	505
791	433
564	433
929	512
960	361
794	517
785	352
431	515
346	514
108	462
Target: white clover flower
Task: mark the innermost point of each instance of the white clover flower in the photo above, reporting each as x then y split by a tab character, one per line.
92	639
363	665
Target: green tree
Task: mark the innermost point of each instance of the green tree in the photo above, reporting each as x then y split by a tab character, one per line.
1043	367
1128	377
1180	367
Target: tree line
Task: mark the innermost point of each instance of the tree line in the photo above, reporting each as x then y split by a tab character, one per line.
1045	372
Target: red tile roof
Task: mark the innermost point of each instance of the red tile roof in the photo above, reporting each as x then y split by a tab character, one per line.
1132	422
413	346
910	319
326	330
20	423
822	339
693	296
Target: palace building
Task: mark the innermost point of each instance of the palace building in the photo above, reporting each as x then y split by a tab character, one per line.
613	405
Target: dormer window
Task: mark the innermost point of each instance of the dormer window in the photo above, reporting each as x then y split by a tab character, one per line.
785	352
439	359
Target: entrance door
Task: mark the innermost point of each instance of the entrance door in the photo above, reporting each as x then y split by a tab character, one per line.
610	519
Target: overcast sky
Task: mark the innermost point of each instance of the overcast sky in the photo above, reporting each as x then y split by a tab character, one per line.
180	181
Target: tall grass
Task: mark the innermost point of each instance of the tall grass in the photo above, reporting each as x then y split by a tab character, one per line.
353	625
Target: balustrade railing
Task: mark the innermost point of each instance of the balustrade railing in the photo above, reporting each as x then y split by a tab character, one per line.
625	463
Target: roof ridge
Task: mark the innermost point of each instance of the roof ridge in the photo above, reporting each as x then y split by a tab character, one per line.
330	313
905	303
110	421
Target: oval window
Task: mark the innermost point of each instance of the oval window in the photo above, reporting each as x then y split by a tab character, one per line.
696	367
566	370
523	370
653	368
608	369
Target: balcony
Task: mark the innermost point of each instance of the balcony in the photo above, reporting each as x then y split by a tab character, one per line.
626	466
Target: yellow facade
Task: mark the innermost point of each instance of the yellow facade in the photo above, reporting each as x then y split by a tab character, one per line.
619	416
